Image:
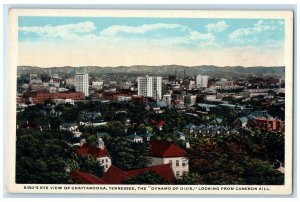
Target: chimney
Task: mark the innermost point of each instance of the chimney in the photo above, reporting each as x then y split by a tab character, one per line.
187	145
82	142
100	143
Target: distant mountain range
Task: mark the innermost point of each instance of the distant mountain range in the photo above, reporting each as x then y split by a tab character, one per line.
160	70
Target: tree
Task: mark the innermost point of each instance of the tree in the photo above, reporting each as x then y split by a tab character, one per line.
86	163
147	178
190	179
126	155
40	157
117	128
231	159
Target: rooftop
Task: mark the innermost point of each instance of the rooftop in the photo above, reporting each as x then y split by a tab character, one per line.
165	149
87	149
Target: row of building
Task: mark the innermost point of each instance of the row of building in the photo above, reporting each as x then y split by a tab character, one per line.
165	159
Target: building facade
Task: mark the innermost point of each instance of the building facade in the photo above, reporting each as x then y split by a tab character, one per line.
150	87
41	97
168	153
201	81
82	83
100	152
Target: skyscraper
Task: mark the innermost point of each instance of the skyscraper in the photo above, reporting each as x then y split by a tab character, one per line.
82	83
201	81
150	87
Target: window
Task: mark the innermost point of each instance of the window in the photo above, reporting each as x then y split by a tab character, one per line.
170	162
106	166
177	162
102	161
177	173
106	160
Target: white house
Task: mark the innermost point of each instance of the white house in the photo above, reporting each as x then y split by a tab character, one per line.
134	138
168	153
69	126
100	152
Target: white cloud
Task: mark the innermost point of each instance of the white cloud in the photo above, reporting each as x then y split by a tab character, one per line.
243	34
63	31
116	29
173	34
194	35
217	27
84	32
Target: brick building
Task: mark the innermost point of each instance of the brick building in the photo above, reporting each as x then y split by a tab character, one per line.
41	97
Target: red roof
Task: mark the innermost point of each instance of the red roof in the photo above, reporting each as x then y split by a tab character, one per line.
115	176
160	123
164	171
85	178
165	149
94	151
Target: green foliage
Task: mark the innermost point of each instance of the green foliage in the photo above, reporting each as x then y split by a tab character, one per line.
116	128
127	155
237	159
190	179
40	157
92	140
70	113
147	178
86	163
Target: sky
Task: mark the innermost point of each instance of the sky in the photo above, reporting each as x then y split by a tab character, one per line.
119	41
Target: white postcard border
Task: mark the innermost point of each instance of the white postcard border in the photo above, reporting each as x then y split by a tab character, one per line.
11	186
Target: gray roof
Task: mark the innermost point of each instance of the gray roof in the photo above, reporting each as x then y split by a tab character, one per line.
207	105
190	126
102	134
145	135
260	114
67	125
134	136
179	133
162	104
243	119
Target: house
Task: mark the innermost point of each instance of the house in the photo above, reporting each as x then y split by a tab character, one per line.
100	152
146	136
269	124
180	135
162	104
160	124
93	123
207	130
264	121
102	135
134	138
260	114
69	126
216	121
240	122
190	128
77	134
168	153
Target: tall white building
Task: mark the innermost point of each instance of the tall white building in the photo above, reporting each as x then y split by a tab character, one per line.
201	81
82	83
150	86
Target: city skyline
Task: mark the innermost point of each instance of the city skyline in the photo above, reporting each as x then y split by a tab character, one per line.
91	41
